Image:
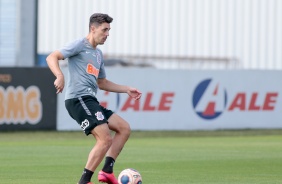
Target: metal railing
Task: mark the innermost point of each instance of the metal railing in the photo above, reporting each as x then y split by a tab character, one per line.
173	62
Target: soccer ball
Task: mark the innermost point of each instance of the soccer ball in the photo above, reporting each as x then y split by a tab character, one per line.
129	176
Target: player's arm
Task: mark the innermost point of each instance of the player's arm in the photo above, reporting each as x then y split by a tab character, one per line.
53	63
107	85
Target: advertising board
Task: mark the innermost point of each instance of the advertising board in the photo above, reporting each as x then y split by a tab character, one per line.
192	100
27	99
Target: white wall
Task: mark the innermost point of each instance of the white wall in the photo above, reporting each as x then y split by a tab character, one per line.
245	31
8	34
18	33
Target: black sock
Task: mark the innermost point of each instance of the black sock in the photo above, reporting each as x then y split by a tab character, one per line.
86	176
109	164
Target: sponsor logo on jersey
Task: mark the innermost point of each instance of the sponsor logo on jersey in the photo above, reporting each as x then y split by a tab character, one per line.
92	70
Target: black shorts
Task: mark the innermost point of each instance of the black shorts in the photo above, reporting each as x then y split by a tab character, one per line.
87	112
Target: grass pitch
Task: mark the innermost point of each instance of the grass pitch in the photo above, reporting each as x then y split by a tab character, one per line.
217	157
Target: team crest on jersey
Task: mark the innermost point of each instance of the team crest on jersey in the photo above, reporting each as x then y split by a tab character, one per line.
99	115
98	58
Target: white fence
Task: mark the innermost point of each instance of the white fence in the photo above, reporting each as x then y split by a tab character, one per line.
247	32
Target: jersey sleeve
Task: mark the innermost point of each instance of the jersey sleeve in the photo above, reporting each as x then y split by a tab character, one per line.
102	72
71	49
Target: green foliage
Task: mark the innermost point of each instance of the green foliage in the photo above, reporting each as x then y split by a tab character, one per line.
218	157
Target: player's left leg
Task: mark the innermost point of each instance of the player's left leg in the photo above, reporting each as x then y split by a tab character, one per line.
122	129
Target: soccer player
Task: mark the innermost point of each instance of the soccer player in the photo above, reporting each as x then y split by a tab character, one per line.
86	74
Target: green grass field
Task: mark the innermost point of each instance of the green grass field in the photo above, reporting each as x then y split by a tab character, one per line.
217	157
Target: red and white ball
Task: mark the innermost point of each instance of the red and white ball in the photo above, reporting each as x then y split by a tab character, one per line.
129	176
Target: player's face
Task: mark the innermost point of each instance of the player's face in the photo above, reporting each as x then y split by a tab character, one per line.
101	33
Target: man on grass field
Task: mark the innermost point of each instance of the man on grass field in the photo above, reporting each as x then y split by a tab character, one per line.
86	75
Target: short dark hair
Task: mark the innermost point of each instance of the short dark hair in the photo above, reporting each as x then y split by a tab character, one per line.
99	18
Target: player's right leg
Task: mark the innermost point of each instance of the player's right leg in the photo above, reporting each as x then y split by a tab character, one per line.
103	143
89	115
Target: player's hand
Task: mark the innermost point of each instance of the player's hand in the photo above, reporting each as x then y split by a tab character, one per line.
134	93
59	83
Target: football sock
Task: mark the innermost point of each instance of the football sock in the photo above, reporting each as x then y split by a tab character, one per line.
109	164
86	176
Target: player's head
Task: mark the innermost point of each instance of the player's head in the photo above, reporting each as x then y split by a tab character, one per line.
99	26
99	18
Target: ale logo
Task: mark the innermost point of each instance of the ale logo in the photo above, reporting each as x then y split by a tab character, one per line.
209	99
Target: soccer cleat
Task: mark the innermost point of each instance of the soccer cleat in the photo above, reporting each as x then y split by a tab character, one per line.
107	177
